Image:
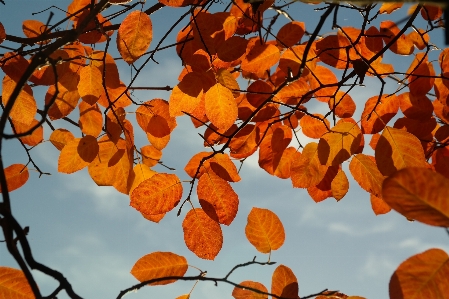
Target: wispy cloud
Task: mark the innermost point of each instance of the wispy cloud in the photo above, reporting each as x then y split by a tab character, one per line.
357	231
376	266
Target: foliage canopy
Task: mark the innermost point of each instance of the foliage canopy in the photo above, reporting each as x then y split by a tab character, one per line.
250	87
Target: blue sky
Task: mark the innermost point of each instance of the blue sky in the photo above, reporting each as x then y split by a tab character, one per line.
94	237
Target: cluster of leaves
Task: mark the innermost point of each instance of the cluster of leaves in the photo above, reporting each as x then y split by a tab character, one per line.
285	70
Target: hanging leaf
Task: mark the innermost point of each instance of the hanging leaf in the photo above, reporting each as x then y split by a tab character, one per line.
221	108
245	293
388	8
403	45
186	96
397	149
217	198
158	194
16	176
323	76
306	170
416	107
134	36
314	127
418	194
284	283
386	108
13	284
202	235
340	185
77	154
34	28
365	172
343	105
339	144
378	205
423	275
60	137
66	100
159	265
290	34
260	58
264	230
90	86
91	119
33	139
25	107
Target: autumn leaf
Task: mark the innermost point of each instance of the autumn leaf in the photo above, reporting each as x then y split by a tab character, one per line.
284	283
423	275
340	185
159	265
158	194
290	34
32	139
365	172
306	169
16	176
221	108
378	112
60	137
90	86
77	154
260	58
202	235
378	205
186	96
25	107
397	149
264	230
217	198
419	194
13	284
314	127
244	292
134	36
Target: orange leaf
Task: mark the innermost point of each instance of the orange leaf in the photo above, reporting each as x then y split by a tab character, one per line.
33	28
314	127
339	144
403	45
14	65
158	194
290	34
60	137
245	293
418	194
388	8
322	76
258	92
343	103
221	108
25	107
225	78
13	284
91	119
16	176
332	50
32	139
365	172
186	96
202	235
142	172
272	147
385	110
150	155
159	265
378	205
232	49
217	198
244	142
340	185
431	12
260	58
2	33
77	154
90	86
284	283
66	99
423	275
397	149
416	107
422	79
306	170
134	36
324	188
264	230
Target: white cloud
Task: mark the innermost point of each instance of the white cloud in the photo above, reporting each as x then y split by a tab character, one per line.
377	265
418	245
358	231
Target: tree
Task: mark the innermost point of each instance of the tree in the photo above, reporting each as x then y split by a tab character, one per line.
250	87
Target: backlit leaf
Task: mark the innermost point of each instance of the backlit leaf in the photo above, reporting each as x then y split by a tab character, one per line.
403	46
260	58
322	76
418	194
397	149
90	86
91	119
217	198
306	170
158	194
60	137
290	34
264	230
16	176
343	103
388	8
365	172
77	154
13	284
416	107
33	28
378	205
340	185
66	100
246	293
202	235
221	108
134	36
32	139
423	275
25	107
339	144
232	49
158	265
314	127
386	108
284	283
186	96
